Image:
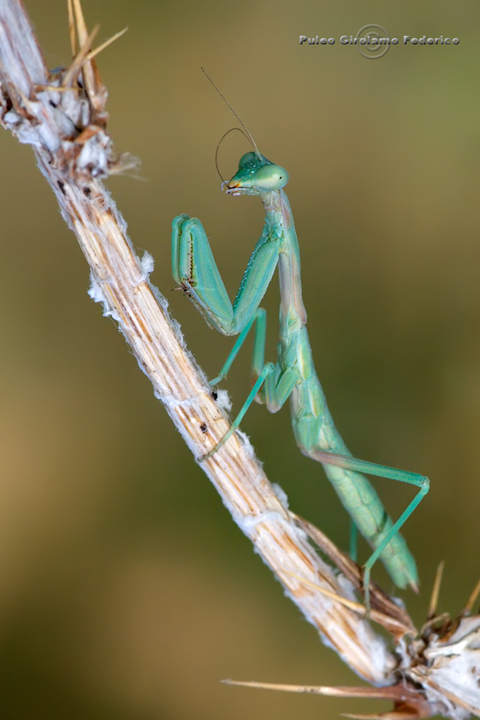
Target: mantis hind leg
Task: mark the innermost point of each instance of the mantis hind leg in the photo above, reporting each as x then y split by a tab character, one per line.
387	534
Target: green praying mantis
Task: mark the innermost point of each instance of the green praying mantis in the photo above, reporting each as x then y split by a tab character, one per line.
293	375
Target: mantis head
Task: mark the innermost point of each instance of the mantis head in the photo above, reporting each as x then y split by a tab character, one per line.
256	175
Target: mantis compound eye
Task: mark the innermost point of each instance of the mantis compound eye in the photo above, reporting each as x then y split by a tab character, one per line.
245	159
271	177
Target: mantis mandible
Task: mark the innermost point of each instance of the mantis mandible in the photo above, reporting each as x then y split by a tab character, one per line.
293	375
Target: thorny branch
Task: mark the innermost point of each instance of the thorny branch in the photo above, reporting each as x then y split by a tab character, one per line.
63	117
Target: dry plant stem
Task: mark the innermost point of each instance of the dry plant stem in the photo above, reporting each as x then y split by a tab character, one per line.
67	131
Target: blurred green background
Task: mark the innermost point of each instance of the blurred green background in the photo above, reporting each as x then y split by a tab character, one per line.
125	589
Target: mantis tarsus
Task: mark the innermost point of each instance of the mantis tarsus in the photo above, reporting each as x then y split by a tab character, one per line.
293	375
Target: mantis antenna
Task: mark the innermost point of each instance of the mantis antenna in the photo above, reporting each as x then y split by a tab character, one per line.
218	148
249	135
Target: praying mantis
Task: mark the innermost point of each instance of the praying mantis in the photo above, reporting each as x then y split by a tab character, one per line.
293	375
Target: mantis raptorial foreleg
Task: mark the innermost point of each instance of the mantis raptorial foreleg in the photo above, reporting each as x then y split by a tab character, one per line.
194	268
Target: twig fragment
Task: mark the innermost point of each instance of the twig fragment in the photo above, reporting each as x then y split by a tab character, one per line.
392	625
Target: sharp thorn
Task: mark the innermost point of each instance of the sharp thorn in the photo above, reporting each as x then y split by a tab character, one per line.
471	600
104	45
432	608
80	22
80	59
71	28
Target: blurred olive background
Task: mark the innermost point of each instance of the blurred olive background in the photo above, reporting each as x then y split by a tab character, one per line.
125	589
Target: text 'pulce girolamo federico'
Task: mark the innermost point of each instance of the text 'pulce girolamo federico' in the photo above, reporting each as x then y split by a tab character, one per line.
373	41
